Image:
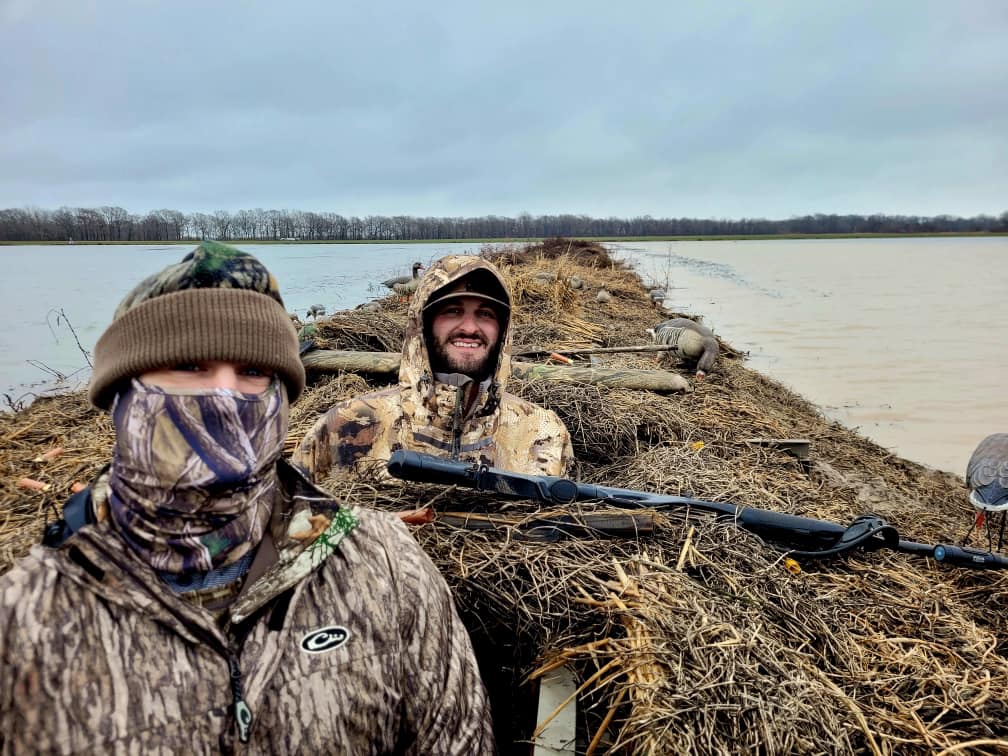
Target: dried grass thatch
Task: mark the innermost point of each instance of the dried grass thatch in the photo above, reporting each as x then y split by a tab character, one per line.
699	637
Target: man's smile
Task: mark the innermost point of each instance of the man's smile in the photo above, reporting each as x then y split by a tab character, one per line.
466	343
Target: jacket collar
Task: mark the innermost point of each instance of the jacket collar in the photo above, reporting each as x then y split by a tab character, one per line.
306	530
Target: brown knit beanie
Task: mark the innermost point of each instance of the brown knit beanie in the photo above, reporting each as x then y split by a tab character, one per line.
218	303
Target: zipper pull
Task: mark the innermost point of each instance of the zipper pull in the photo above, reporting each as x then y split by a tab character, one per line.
243	720
242	713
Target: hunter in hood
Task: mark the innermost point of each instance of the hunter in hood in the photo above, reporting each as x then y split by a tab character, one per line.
203	596
451	400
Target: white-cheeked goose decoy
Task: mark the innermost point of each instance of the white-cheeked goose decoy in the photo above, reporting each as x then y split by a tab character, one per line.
392	282
404	286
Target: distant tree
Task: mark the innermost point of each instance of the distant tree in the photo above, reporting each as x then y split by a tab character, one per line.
112	223
203	225
221	221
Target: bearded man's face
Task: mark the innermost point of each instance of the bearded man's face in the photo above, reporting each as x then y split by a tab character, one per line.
464	332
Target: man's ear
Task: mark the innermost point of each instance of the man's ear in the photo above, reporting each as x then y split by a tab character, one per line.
503	319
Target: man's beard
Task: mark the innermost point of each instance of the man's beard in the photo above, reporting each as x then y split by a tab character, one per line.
477	366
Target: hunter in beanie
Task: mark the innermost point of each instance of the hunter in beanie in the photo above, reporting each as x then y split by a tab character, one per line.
218	303
202	595
193	482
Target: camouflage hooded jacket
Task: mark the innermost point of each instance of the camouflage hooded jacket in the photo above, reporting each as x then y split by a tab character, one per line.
425	415
349	643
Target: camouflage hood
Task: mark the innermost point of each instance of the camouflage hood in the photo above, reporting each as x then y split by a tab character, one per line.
415	372
493	427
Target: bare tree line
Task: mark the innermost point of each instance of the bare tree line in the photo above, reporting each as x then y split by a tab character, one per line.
108	224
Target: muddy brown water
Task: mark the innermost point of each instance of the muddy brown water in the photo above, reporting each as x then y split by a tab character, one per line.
902	339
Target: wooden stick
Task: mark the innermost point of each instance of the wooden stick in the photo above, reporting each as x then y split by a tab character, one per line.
662	381
533	351
334	361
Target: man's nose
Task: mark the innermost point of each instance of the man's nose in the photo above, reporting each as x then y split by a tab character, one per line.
225	377
472	322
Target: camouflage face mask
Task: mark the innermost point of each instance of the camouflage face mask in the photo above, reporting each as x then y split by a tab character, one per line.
193	477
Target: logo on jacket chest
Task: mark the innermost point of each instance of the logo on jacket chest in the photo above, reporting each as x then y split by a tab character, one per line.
324	639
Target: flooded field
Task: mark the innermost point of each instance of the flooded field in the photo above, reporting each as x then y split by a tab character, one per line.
900	338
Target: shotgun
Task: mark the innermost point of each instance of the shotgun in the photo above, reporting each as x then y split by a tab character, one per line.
799	536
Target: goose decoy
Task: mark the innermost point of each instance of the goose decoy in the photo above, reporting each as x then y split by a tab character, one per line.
689	340
404	286
315	310
657	295
987	474
987	480
392	282
406	289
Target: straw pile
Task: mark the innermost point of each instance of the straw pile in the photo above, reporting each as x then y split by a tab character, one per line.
699	638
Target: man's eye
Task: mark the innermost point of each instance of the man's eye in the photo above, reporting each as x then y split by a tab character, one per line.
255	372
187	367
487	313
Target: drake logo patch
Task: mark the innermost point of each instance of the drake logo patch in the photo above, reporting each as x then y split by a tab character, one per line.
325	639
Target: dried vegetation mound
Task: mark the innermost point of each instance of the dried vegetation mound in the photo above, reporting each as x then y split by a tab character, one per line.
697	637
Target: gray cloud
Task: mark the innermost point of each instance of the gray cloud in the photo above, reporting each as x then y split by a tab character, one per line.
716	110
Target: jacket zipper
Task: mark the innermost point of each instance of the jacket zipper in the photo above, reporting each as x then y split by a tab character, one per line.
240	711
456	444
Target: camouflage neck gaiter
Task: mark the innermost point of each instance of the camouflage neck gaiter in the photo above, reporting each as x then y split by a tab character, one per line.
193	478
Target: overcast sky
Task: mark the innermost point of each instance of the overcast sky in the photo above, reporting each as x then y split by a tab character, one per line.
713	109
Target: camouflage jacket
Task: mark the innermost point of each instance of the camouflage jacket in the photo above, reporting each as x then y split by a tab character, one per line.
421	414
349	644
